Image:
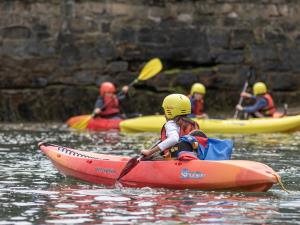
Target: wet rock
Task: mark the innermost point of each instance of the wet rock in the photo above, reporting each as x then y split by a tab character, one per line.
276	81
16	32
241	38
275	38
231	57
118	66
291	57
218	38
262	52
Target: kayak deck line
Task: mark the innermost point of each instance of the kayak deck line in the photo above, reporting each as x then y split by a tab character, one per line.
237	175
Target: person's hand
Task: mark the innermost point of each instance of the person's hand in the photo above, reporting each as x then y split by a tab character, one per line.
245	95
146	152
239	107
202	116
97	111
125	89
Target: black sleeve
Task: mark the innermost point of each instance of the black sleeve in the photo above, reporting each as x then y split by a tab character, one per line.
99	103
123	96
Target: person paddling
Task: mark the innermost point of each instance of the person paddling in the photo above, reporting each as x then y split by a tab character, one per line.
178	129
107	104
196	96
176	108
264	105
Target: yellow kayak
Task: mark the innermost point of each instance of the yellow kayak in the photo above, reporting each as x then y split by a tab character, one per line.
259	125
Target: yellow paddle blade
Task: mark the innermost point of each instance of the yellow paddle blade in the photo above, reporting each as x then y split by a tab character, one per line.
82	124
153	67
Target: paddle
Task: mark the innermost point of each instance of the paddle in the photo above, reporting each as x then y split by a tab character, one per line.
152	68
133	162
250	72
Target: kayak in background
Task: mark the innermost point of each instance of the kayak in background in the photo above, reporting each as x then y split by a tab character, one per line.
234	175
257	125
93	124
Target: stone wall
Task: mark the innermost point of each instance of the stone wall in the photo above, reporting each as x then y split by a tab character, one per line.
54	53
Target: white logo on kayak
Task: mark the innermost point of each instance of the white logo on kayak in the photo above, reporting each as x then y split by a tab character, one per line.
105	170
186	174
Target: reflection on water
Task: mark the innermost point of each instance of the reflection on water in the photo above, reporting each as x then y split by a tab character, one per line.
33	192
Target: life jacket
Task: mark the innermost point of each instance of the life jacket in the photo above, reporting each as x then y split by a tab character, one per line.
269	109
197	106
186	126
111	105
191	143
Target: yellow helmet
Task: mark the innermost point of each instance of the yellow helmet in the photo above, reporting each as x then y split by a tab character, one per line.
176	105
199	88
259	88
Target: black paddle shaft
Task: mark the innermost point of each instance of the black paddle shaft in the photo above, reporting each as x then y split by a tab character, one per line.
133	162
250	73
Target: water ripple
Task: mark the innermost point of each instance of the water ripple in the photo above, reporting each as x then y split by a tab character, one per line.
33	192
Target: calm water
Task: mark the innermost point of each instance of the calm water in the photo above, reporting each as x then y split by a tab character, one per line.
33	192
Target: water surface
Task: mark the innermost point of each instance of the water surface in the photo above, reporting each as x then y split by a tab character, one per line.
33	192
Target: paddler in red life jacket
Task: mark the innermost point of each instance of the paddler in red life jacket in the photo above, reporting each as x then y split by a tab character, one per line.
107	104
176	108
264	104
197	94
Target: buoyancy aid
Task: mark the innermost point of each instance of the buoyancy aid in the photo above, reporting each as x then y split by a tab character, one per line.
185	125
195	142
197	106
269	109
111	105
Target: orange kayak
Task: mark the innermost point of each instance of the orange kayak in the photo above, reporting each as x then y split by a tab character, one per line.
95	124
235	175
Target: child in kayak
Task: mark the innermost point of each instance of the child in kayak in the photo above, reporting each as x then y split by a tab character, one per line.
107	104
264	105
197	100
181	138
176	108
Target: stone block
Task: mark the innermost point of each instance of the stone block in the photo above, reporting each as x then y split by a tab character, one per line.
106	49
291	57
189	38
240	38
118	66
124	35
185	17
268	66
69	55
275	38
218	38
151	36
285	81
231	57
16	32
263	52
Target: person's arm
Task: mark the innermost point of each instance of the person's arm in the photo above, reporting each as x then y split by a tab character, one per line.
261	103
172	133
248	95
98	105
124	93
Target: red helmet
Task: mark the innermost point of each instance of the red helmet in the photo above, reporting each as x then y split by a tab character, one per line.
107	87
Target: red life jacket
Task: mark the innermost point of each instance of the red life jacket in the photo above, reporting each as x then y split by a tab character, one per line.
186	126
197	106
270	109
111	105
